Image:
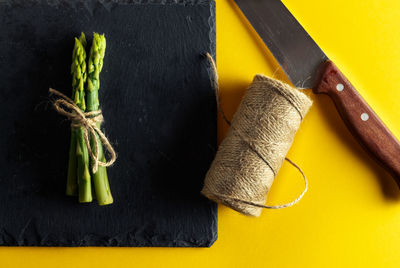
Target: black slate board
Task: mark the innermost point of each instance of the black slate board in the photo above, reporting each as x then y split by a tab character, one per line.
159	111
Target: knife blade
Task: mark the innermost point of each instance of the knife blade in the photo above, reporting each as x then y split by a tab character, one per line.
307	66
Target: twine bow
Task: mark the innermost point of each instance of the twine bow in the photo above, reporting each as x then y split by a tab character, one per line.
88	121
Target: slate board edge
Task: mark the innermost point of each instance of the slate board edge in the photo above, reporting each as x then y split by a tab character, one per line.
108	3
213	48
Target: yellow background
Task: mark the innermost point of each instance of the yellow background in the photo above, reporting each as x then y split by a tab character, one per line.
351	215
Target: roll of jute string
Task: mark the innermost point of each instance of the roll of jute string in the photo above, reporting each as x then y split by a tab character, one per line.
260	135
88	121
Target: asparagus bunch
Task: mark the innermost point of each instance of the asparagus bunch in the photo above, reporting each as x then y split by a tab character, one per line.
79	173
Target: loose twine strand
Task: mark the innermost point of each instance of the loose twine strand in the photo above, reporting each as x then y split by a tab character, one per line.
88	122
215	85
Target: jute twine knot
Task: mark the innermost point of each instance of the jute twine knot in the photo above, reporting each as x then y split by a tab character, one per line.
260	135
88	122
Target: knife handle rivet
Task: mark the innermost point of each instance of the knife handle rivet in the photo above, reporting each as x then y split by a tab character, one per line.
364	116
340	87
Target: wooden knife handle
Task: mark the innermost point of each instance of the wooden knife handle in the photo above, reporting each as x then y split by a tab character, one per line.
360	119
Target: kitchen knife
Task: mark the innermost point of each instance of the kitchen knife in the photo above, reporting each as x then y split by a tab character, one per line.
307	66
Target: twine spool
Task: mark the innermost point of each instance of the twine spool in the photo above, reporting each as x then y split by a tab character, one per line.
250	156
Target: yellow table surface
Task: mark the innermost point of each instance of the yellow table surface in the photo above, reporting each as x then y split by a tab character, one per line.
350	217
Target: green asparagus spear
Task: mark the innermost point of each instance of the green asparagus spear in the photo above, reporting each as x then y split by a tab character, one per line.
95	64
79	76
78	70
